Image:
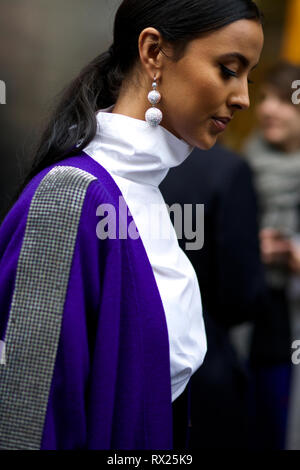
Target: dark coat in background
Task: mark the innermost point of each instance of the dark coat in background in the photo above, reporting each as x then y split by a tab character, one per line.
233	290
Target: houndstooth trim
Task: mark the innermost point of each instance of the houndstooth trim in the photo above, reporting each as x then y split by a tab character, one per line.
37	306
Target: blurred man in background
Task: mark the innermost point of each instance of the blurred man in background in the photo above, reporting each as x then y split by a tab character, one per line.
273	153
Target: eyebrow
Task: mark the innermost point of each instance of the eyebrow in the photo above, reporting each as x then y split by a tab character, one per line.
245	62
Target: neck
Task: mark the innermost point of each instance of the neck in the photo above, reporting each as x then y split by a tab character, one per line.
129	105
132	100
134	103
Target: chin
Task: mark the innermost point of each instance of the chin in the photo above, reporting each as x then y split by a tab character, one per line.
206	144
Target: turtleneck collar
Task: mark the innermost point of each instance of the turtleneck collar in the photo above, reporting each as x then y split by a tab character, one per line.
134	150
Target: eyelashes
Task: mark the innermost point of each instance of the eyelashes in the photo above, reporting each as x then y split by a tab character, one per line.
227	73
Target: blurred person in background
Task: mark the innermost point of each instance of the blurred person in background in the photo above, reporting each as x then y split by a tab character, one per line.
99	337
293	428
273	153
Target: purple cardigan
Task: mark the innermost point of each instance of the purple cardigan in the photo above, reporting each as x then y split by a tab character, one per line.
109	384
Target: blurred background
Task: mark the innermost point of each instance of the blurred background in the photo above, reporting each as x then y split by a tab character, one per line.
44	44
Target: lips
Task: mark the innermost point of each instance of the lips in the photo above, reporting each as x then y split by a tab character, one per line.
220	122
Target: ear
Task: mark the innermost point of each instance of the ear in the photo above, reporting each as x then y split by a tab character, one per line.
150	42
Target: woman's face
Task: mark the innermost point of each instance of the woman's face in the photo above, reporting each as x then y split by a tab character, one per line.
210	82
279	119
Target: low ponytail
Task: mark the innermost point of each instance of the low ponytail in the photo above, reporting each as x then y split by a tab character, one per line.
73	124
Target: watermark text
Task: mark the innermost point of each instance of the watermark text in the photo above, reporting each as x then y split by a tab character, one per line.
155	223
2	92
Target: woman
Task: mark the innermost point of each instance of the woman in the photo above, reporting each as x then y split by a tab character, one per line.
274	156
121	330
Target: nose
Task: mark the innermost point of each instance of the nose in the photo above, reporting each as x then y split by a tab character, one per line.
239	97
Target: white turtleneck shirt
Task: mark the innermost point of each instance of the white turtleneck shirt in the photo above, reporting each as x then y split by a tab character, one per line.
138	157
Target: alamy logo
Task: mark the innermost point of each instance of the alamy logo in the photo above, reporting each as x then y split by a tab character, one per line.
295	95
2	92
296	353
188	223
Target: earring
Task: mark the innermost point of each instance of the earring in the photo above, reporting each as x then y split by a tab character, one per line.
154	115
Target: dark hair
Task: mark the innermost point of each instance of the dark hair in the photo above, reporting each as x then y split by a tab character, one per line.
281	76
98	84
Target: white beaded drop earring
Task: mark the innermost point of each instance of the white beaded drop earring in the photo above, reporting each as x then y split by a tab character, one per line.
154	115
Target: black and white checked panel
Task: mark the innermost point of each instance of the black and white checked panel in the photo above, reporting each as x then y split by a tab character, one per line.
36	312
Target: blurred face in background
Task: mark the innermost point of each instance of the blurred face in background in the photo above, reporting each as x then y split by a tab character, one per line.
279	119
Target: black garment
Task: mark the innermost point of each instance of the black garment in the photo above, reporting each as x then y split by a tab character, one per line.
214	413
271	340
233	289
181	420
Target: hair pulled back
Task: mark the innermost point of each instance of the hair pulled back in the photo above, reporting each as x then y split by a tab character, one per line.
73	124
